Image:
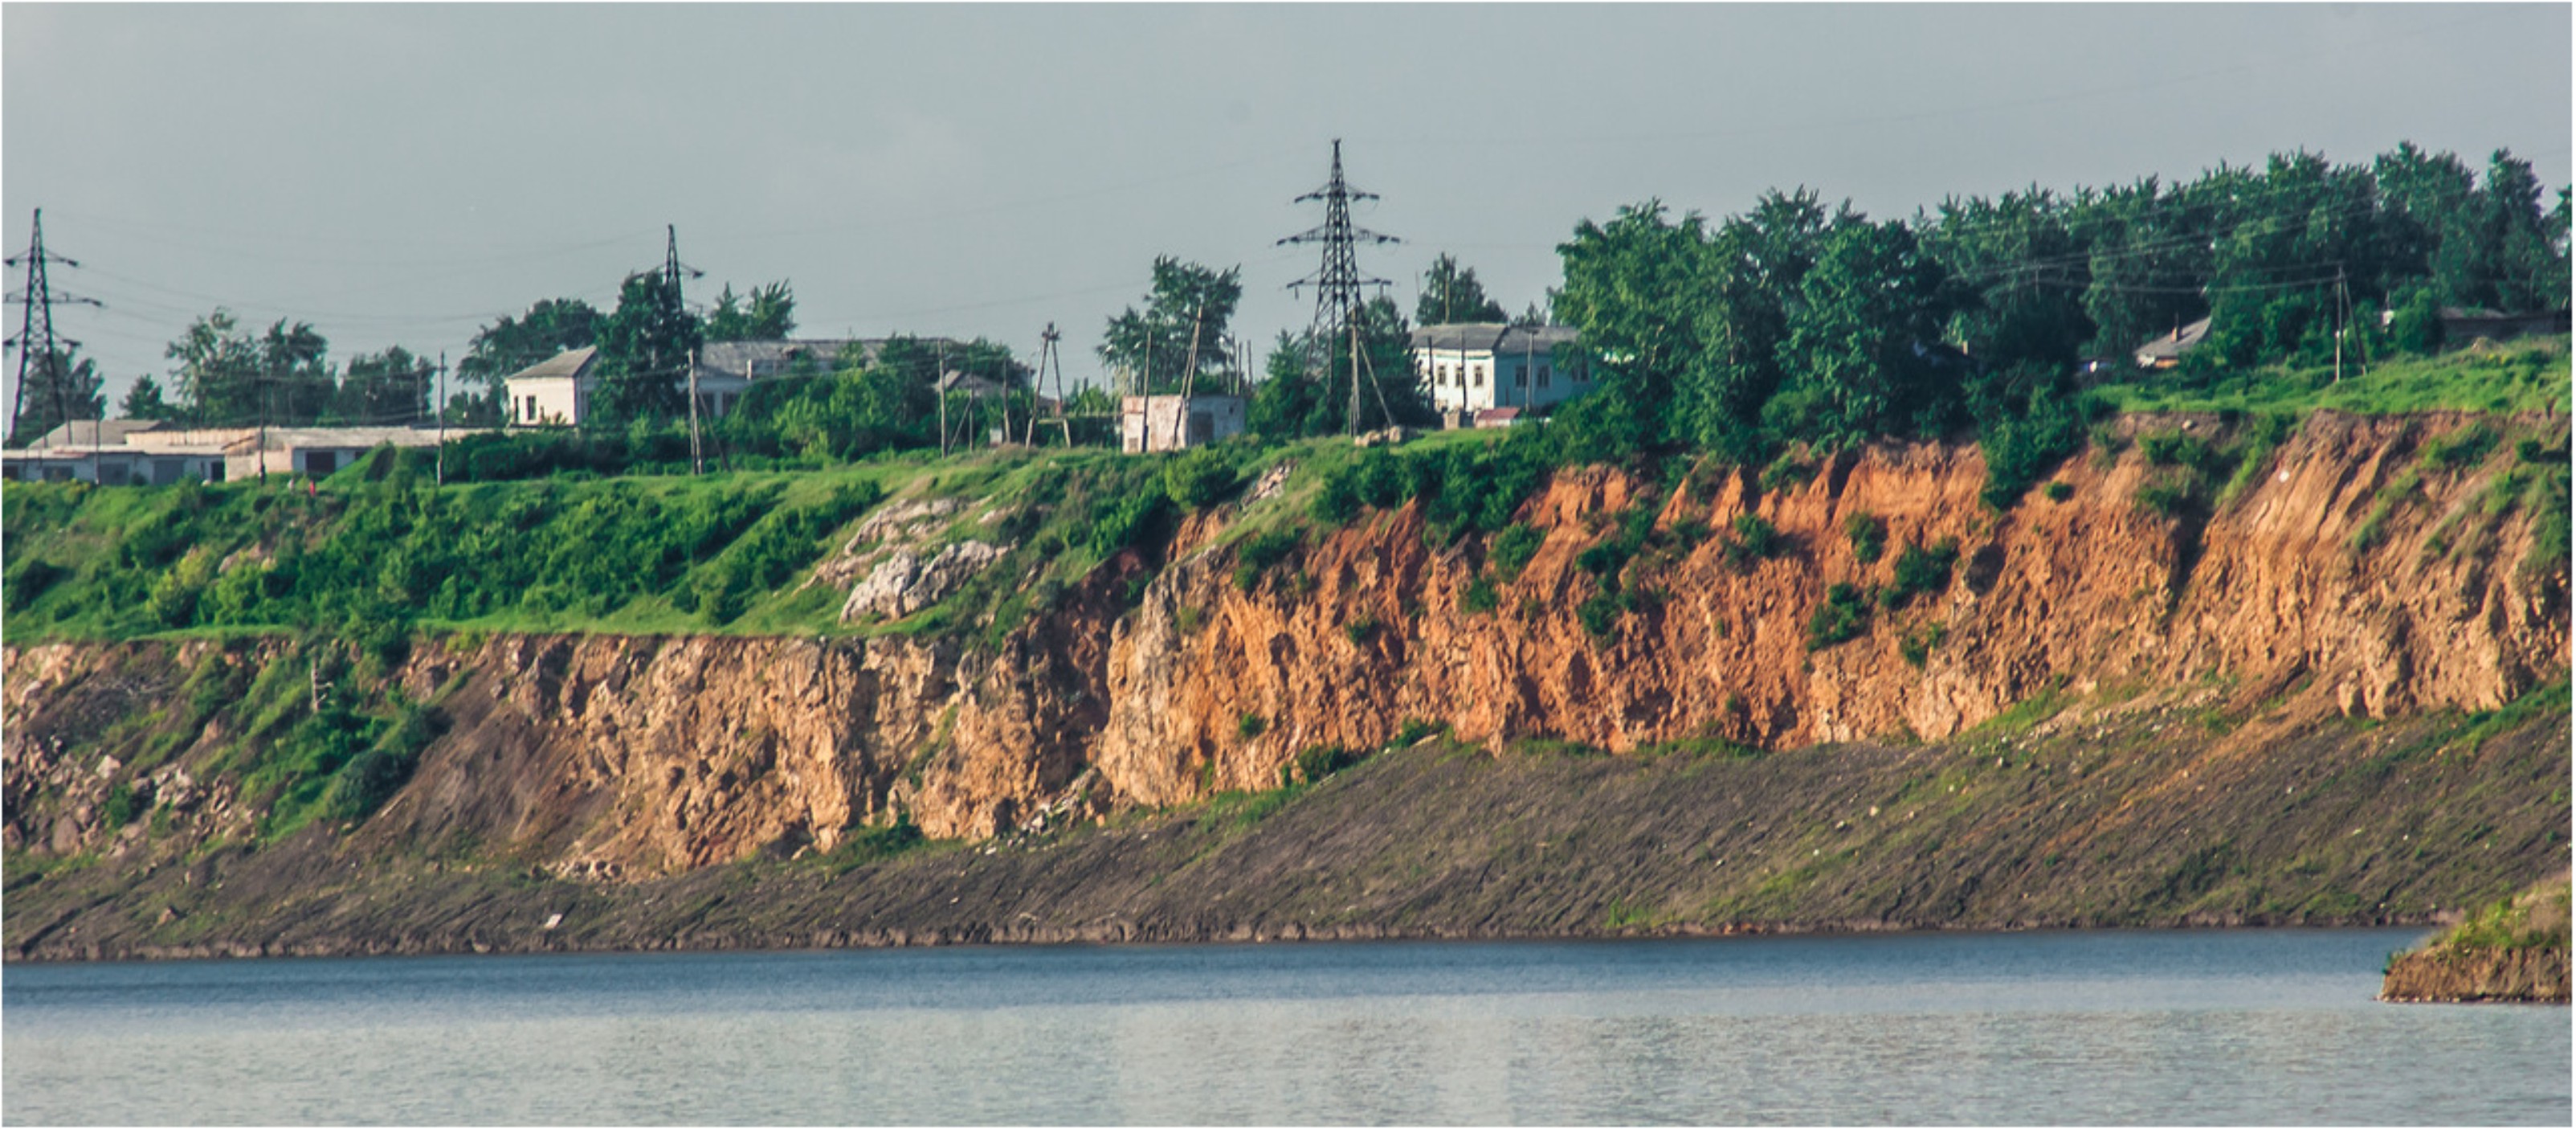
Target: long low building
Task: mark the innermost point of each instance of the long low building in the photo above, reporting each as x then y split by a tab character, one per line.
153	453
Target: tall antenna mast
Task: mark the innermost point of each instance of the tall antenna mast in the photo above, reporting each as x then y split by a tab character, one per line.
38	347
1338	281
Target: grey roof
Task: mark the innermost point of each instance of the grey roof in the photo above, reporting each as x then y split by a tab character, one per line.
570	362
91	432
2174	344
735	358
328	438
1493	337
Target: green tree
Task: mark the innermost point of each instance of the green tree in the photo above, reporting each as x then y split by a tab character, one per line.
1175	343
768	313
1862	349
510	344
219	372
1451	294
59	387
386	389
298	382
644	349
144	401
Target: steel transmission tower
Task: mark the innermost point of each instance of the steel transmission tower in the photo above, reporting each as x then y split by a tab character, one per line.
36	343
1338	281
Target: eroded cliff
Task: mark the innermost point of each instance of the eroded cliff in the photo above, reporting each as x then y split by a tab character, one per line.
2361	567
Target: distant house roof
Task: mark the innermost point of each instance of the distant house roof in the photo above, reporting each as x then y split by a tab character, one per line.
2460	324
753	360
1498	417
96	433
2172	346
1494	337
334	438
570	362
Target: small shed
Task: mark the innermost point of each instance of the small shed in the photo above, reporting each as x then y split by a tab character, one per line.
1173	423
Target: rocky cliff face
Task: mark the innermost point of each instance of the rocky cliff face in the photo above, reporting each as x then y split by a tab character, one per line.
626	757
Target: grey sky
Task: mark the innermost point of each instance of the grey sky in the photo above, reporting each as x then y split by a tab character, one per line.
400	174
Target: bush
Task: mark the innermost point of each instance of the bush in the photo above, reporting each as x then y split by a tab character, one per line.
2060	491
1200	478
1513	548
1787	470
1600	613
1362	629
1868	536
1128	521
1479	596
1255	555
1920	571
1917	645
2165	499
1843	616
1415	729
2461	449
1251	725
1753	540
1316	762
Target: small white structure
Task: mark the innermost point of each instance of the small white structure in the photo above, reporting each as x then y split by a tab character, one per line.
554	392
1173	423
1477	366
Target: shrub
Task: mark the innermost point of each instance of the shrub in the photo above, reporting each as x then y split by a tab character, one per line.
1754	540
1360	630
1920	571
1415	729
1868	536
1843	616
1315	762
1787	470
1917	646
1479	596
2060	491
1513	548
1128	521
120	808
1251	725
1200	478
1255	555
2464	448
2166	499
1600	613
2177	449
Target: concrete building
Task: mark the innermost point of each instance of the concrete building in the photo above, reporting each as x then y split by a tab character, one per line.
121	452
315	451
1478	366
1173	423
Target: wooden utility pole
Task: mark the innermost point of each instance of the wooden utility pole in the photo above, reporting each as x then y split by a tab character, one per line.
939	384
697	455
438	472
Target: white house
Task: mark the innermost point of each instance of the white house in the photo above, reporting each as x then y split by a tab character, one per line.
1171	423
1480	366
554	392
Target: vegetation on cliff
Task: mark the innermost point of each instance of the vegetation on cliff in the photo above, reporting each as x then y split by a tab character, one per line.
2512	950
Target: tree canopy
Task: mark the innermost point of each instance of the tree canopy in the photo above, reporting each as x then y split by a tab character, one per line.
768	313
1451	294
1177	340
60	386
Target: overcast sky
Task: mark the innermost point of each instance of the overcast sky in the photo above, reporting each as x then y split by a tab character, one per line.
399	174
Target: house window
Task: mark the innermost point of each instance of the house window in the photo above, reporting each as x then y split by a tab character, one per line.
531	416
1444	375
1520	378
1480	376
1542	376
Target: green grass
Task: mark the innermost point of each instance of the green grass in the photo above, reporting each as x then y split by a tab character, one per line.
2522	376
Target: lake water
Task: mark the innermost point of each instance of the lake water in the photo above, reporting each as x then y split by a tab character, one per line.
2164	1027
